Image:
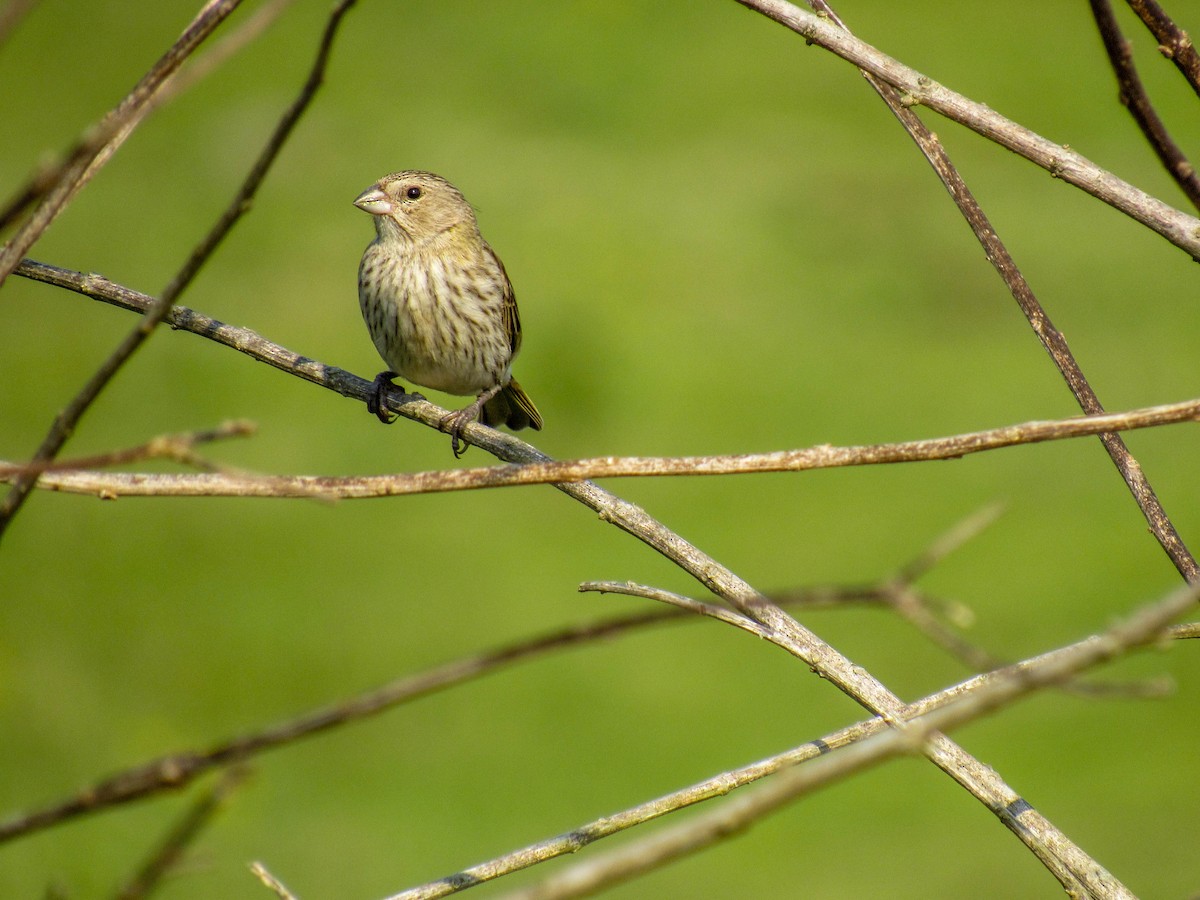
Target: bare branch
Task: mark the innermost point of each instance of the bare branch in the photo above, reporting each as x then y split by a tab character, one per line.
179	447
67	420
1134	98
1060	161
167	855
175	771
822	456
1173	41
927	614
680	602
102	141
46	175
261	873
962	532
11	15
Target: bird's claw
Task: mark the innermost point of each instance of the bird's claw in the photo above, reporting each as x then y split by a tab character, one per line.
377	399
454	423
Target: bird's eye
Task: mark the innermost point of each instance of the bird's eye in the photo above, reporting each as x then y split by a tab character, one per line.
413	193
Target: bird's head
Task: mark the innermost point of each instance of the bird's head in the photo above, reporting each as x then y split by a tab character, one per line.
415	205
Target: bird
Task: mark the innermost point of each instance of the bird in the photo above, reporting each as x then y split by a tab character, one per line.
438	303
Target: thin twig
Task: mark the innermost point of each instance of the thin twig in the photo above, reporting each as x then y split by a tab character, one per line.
1062	162
178	447
679	601
103	140
1134	98
168	853
900	594
176	770
11	14
1173	42
822	456
261	873
962	533
47	174
67	420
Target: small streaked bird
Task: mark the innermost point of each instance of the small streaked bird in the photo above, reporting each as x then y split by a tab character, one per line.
439	304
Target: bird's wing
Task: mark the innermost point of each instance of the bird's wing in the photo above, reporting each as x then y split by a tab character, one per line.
512	318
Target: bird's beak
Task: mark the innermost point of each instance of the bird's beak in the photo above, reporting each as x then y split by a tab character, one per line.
374	201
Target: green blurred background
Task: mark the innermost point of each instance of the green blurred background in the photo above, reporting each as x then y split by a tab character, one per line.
721	242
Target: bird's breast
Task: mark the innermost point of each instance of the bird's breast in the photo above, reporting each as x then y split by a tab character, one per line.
437	320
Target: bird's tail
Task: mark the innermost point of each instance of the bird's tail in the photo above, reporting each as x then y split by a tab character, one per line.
512	408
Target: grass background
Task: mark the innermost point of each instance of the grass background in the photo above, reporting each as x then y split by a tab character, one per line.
721	242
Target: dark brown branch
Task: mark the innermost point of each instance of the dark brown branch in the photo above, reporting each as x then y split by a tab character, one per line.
1134	98
1173	42
168	853
177	770
66	421
240	204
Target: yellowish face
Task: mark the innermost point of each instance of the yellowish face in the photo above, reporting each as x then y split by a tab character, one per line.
419	204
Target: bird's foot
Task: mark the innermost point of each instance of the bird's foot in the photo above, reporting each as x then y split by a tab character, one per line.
455	422
377	399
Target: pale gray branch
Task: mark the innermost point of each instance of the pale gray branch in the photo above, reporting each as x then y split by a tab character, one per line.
873	742
720	613
111	485
1056	158
260	872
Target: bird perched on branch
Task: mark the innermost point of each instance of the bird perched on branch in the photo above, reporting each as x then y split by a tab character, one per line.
438	303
